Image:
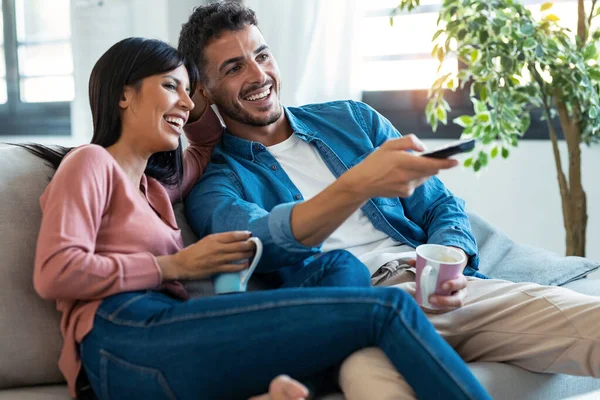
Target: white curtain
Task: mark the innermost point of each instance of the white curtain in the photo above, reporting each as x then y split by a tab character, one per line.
315	43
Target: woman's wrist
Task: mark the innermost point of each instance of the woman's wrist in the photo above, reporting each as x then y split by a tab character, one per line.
168	267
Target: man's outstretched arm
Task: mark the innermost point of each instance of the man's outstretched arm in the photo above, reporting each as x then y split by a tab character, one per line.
293	231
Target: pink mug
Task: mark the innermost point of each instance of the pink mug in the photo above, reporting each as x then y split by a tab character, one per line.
436	264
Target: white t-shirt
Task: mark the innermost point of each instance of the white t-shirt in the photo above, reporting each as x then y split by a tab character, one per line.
307	170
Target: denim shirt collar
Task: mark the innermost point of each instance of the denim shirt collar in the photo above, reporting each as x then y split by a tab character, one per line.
247	149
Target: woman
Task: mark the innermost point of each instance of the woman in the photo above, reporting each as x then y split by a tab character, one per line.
110	253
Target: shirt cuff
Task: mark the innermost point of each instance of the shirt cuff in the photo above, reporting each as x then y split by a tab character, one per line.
280	228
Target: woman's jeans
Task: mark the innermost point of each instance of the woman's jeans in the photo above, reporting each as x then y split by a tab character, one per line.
147	345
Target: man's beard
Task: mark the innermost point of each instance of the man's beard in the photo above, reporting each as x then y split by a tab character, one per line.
235	112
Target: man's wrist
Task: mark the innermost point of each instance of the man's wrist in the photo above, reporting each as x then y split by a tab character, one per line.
348	186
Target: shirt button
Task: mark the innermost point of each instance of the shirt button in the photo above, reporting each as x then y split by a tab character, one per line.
256	146
274	167
298	197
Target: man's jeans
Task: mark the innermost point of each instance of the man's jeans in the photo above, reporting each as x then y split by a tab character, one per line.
147	345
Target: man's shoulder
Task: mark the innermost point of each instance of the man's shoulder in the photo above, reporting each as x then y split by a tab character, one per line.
330	108
218	165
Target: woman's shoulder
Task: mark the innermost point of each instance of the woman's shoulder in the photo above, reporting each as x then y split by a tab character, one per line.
86	165
90	158
85	170
89	152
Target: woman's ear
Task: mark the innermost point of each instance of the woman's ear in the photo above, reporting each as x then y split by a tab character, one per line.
126	97
203	90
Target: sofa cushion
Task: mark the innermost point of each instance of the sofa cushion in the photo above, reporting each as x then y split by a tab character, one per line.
501	258
53	392
508	382
31	339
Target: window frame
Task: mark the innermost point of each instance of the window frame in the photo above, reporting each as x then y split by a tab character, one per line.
405	109
18	118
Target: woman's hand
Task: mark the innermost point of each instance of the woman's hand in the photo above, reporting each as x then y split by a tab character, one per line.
216	253
200	106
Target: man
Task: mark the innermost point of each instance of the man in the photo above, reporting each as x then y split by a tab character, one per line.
338	175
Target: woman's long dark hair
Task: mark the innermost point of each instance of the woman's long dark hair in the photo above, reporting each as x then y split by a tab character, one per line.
127	63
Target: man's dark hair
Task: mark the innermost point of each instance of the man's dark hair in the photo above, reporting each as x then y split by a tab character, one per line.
209	22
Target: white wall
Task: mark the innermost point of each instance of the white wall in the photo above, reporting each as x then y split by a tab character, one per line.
520	195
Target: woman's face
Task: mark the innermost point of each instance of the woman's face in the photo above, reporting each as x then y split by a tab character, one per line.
154	113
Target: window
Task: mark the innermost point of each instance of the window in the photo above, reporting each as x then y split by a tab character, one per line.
398	57
398	68
36	67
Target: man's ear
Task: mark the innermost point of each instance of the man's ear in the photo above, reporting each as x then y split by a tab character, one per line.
126	97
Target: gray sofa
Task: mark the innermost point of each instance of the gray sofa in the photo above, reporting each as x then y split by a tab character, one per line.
29	327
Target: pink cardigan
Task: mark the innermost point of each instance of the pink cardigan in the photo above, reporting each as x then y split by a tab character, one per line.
100	236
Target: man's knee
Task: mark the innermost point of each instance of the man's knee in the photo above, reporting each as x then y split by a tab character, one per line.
369	374
363	362
348	270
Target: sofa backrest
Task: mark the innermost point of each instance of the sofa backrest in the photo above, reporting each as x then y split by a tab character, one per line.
30	339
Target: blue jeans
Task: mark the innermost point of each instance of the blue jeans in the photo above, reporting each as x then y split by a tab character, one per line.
147	345
336	268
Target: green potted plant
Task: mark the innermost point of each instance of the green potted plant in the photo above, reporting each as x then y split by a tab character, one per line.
513	63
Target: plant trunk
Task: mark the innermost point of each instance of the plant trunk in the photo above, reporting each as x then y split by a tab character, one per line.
573	198
574	201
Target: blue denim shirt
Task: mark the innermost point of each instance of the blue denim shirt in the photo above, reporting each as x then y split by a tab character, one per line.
245	188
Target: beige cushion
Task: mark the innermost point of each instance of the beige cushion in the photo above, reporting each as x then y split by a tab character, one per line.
54	392
30	339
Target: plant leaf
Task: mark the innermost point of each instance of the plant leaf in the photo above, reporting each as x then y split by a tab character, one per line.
463	120
483	158
527	29
442	115
546	6
468	162
590	51
494	152
440	54
483	37
505	152
485	117
594	74
551	17
529	43
483	93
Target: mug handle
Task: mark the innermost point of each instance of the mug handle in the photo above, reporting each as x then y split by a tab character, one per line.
425	274
248	271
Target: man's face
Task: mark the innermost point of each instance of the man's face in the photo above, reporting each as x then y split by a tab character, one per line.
243	77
